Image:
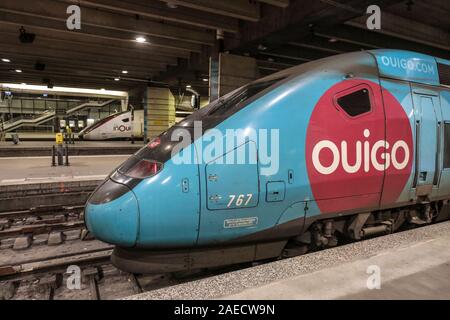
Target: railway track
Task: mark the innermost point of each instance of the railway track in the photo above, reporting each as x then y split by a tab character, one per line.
40	269
33	266
43	272
50	275
22	228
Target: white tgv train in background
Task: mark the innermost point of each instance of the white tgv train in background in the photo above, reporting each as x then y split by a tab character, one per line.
121	126
117	126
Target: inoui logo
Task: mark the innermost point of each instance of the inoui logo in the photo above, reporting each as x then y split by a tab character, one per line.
367	153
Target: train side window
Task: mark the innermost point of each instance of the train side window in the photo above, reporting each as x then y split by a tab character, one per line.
355	103
126	120
446	145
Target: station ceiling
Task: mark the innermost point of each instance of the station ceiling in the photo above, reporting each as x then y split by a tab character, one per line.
181	34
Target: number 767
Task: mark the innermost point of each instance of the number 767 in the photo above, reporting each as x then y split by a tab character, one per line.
239	200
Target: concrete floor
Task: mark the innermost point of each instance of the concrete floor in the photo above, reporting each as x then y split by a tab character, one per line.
23	170
414	264
421	271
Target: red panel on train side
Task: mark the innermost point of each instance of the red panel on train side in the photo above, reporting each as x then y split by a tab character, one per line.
347	155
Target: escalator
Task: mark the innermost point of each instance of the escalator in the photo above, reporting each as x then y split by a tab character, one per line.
16	123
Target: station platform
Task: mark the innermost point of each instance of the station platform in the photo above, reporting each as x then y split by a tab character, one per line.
413	264
80	148
32	170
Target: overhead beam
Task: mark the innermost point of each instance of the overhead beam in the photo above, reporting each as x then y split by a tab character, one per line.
78	40
158	10
113	68
376	40
278	27
71	82
272	65
330	45
46	25
407	29
44	47
295	53
68	55
110	72
70	73
56	10
245	10
277	3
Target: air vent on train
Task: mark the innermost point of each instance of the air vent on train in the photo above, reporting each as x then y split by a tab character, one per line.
444	74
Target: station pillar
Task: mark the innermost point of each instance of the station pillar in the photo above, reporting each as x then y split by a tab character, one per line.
229	72
159	112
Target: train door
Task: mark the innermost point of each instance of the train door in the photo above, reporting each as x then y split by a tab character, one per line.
232	196
344	147
428	123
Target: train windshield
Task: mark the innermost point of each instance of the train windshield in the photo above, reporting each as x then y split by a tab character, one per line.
239	98
210	116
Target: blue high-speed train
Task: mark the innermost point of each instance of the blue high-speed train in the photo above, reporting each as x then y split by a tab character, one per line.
352	146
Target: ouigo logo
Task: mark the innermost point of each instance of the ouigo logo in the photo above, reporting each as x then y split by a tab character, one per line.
358	161
368	153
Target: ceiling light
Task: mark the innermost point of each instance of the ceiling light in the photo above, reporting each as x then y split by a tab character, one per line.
18	70
124	71
332	40
141	39
205	79
6	60
188	86
116	79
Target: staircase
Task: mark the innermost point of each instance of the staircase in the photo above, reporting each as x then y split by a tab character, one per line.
16	123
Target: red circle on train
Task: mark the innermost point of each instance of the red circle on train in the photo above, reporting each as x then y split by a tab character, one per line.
358	162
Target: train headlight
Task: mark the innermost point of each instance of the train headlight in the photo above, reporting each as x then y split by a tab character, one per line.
144	169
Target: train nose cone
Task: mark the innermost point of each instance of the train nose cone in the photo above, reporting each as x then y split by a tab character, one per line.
112	214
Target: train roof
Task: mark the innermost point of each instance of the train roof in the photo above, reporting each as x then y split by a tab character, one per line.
412	66
388	63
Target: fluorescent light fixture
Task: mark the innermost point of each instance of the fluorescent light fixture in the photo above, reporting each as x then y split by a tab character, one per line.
141	39
124	71
116	79
6	60
205	79
18	70
188	86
